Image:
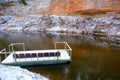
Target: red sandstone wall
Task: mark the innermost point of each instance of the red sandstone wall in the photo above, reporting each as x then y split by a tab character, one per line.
73	6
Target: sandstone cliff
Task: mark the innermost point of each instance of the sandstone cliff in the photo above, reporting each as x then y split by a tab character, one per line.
61	7
84	6
17	17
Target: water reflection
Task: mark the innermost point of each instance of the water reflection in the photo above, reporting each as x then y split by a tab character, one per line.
38	38
94	58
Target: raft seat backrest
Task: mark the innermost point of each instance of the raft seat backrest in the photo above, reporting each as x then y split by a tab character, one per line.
22	55
16	55
52	54
46	54
34	55
57	53
28	55
40	54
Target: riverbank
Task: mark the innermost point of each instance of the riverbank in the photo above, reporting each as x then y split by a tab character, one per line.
108	24
17	73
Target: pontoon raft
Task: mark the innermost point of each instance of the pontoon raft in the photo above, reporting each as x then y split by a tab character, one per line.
36	57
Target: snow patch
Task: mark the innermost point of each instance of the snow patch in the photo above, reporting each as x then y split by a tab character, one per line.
17	73
64	24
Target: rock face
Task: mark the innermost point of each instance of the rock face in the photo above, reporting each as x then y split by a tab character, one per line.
84	6
97	25
28	19
14	8
4	1
60	7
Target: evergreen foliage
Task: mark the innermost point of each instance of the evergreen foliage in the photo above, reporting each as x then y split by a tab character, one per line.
23	2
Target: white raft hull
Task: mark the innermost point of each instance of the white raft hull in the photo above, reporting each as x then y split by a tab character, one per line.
63	57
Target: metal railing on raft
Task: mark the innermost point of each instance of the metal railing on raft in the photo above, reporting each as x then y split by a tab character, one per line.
11	49
11	46
66	47
3	52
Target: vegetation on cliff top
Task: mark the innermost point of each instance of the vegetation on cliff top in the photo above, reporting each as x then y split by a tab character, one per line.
3	2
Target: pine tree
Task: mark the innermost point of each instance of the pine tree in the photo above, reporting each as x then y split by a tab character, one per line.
23	2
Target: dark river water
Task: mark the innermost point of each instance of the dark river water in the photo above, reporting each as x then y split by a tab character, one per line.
93	57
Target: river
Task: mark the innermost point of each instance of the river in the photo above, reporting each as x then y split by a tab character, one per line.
93	57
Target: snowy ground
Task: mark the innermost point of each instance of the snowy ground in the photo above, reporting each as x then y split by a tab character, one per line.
17	73
102	25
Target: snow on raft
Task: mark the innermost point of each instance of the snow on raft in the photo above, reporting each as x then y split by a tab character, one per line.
17	73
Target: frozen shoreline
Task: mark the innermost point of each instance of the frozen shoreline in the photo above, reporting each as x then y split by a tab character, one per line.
102	25
17	73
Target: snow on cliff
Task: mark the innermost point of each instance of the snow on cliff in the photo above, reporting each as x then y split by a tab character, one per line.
16	73
101	25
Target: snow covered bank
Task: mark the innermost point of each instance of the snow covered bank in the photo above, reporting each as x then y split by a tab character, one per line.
16	73
97	25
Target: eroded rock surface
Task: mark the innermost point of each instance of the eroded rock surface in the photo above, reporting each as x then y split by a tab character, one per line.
84	6
97	25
